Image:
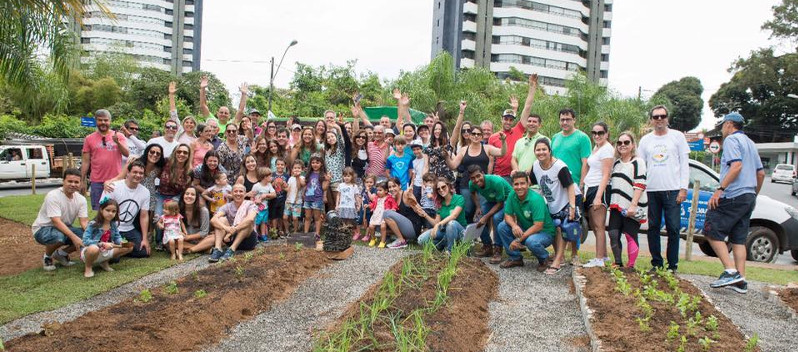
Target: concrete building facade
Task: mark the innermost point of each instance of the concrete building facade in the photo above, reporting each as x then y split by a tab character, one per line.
553	38
166	34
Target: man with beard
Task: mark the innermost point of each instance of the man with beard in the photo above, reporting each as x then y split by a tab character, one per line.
102	151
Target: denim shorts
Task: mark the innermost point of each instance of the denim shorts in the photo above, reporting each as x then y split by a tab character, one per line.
318	205
51	235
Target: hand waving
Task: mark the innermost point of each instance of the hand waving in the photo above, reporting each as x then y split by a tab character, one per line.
514	102
172	87
204	82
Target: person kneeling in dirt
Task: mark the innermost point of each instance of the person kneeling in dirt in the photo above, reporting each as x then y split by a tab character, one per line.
240	235
527	223
102	240
53	226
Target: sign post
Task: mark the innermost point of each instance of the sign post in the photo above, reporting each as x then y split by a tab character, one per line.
88	121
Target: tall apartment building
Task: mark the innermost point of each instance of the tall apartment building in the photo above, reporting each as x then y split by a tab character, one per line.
166	34
553	38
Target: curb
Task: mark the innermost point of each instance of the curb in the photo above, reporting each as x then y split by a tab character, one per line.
587	314
771	294
710	301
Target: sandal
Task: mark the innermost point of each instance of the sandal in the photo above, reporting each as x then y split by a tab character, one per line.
553	270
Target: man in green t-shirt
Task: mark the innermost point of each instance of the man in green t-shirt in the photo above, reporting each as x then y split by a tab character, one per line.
494	191
527	223
524	151
572	146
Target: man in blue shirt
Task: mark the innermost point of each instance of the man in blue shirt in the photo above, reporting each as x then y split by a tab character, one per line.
730	208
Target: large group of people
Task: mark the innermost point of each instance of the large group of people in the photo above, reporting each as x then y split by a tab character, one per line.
394	182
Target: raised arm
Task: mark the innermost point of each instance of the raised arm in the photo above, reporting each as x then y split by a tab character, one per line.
402	109
242	103
453	163
530	98
458	125
203	99
355	109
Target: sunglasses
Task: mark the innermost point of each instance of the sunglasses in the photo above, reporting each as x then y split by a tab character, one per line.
659	117
477	134
181	152
231	131
360	137
620	143
171	127
133	128
598	133
104	142
443	187
466	131
154	153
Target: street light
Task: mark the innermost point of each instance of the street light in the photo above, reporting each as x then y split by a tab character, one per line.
273	72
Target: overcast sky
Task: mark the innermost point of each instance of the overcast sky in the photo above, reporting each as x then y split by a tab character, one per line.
653	41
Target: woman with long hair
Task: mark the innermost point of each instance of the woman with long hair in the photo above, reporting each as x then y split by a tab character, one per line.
175	176
597	189
449	223
232	151
271	130
628	199
320	131
260	150
406	221
205	173
274	151
197	219
245	129
438	150
202	144
306	146
249	173
360	155
334	159
154	162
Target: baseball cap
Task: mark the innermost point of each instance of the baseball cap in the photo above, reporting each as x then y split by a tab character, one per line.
296	126
255	111
422	127
735	117
415	145
390	131
508	112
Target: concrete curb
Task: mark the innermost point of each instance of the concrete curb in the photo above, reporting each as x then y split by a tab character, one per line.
587	314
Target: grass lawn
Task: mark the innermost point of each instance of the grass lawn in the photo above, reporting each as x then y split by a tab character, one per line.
24	209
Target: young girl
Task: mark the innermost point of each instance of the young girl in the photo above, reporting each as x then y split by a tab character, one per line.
173	228
263	191
349	200
293	198
277	205
100	238
315	194
364	215
381	202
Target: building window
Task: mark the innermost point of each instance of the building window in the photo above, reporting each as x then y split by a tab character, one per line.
189	2
470	17
188	39
468	54
437	23
167	61
186	63
604	74
167	36
167	49
188	26
189	14
607	24
605	41
608	7
605	57
151	7
187	51
439	5
170	12
470	36
168	24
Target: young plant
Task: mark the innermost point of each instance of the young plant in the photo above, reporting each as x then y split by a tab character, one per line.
282	255
643	324
691	325
248	256
200	294
145	296
752	342
297	246
711	323
682	344
195	275
172	288
239	272
706	343
673	331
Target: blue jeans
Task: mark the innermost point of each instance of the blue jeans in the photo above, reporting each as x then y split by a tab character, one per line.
134	236
469	207
662	204
537	243
452	232
497	219
51	235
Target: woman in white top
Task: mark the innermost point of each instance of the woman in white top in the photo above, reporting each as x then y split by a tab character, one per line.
562	194
628	200
597	193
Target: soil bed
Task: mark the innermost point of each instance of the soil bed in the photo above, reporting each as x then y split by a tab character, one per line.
790	297
208	303
460	324
20	252
616	319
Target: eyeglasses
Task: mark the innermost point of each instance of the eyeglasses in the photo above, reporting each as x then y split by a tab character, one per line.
443	187
620	143
185	152
171	127
598	133
659	117
154	153
133	128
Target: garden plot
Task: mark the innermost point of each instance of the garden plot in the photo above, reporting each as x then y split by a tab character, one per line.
790	297
631	311
425	302
189	313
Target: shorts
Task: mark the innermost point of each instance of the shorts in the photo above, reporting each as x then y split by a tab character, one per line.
731	218
293	210
318	205
262	217
590	196
248	243
104	256
51	235
276	208
563	213
623	224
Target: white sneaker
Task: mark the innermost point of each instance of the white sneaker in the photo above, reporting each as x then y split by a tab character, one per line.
47	263
595	262
62	259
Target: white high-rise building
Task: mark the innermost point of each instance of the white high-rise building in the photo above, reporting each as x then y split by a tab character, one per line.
553	38
166	34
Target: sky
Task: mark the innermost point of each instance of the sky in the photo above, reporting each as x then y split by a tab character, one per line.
653	41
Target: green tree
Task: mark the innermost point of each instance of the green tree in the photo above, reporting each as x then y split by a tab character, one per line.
758	90
188	90
151	86
784	24
684	102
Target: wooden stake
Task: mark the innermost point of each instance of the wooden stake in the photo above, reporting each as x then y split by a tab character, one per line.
33	178
688	252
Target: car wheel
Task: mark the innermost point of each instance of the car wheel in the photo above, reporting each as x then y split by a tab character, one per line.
794	253
706	248
762	244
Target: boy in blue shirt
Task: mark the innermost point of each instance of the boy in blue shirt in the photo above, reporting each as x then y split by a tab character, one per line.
400	164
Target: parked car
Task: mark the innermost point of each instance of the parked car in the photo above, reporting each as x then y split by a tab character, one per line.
783	173
17	162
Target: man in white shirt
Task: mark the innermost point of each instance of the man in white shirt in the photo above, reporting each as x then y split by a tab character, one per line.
168	141
53	226
668	173
136	146
134	200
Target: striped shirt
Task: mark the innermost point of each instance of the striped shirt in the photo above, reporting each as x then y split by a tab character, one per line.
625	178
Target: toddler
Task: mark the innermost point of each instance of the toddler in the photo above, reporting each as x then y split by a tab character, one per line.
173	228
381	202
349	200
263	191
293	198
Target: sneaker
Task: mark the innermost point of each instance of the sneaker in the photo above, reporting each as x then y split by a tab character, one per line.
372	242
62	259
48	263
484	252
381	245
595	262
356	237
726	279
216	254
740	287
397	244
229	253
263	238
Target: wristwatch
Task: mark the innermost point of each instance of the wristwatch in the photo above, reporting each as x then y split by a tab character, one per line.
723	189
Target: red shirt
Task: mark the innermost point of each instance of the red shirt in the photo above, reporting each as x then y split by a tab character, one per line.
501	165
106	158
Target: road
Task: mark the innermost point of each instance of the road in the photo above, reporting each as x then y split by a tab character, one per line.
39	190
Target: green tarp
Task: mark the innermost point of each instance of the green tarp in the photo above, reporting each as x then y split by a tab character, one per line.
376	112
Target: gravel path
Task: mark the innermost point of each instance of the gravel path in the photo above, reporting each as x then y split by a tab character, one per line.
753	313
536	312
317	302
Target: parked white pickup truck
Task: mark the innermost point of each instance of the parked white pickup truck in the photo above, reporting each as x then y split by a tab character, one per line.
16	162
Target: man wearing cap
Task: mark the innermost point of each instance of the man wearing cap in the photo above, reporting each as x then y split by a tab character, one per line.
524	150
254	117
502	166
296	133
730	207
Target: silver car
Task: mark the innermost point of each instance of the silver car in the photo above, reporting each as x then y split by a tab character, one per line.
783	173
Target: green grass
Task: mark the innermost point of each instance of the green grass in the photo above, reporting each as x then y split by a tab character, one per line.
37	290
24	209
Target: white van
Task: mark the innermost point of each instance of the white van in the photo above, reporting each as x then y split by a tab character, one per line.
16	162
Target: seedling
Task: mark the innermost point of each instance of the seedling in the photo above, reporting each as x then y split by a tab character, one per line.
2	348
195	276
682	344
712	323
643	323
673	331
691	325
297	246
145	296
172	288
239	272
200	294
282	255
248	256
752	342
706	343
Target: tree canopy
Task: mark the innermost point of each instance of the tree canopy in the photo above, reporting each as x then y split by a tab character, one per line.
683	99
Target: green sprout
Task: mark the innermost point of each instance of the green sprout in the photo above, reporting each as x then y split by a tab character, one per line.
752	342
712	323
200	294
673	331
297	246
172	288
239	271
282	255
706	343
145	295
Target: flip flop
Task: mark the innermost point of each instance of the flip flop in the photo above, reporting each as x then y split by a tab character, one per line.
552	270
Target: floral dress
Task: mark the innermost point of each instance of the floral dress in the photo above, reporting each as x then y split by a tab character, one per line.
231	159
437	161
149	183
335	161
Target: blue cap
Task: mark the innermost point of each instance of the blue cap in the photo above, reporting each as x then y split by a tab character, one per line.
736	117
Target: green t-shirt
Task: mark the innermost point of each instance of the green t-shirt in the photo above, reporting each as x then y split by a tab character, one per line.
457	201
571	150
524	151
222	129
533	209
496	188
